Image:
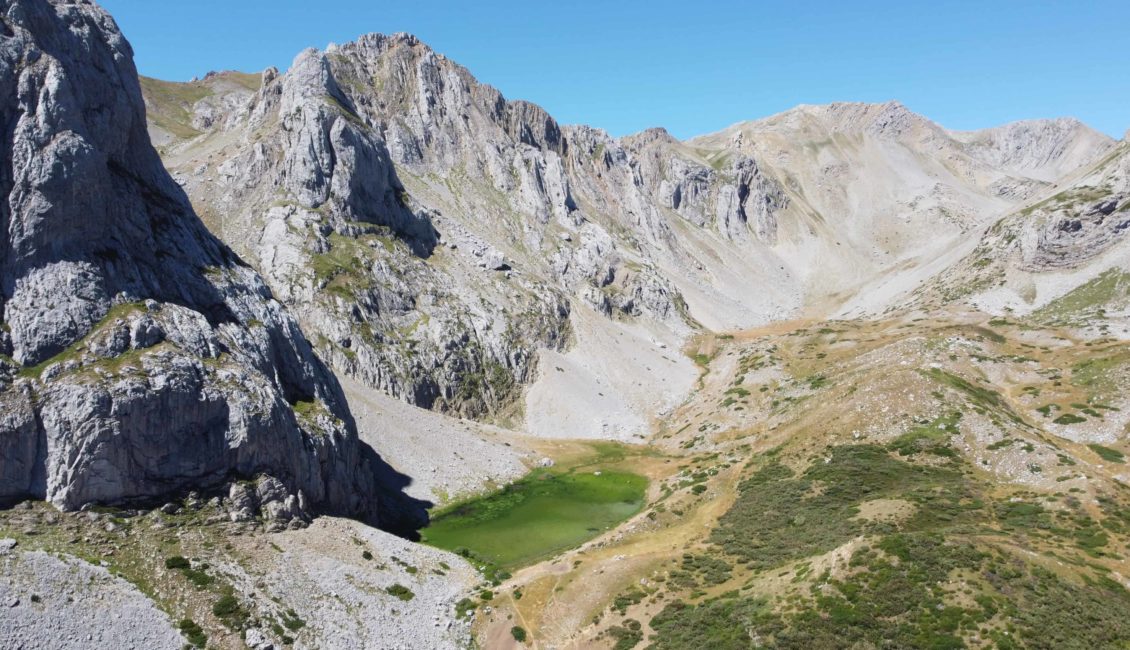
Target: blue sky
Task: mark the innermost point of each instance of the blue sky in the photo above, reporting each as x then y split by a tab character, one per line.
696	67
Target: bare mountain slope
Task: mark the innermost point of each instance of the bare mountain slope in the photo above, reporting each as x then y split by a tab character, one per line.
1063	258
878	193
1045	150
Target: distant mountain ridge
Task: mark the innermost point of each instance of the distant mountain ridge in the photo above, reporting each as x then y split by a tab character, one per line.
791	215
437	241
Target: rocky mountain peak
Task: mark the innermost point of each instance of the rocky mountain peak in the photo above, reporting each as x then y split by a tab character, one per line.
373	45
889	119
893	119
653	135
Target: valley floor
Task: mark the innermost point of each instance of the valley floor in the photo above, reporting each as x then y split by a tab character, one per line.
929	480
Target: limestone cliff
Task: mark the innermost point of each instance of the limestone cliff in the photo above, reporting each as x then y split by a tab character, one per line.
141	355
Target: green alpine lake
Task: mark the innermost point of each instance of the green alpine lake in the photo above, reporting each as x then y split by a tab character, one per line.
538	516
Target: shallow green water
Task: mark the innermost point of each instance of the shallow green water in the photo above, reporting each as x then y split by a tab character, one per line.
538	516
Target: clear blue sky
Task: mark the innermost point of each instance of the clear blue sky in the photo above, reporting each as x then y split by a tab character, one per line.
696	67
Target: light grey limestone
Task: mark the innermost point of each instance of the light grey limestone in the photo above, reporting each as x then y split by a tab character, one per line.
166	364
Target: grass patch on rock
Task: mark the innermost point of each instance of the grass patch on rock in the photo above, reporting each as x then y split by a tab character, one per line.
401	592
1087	301
193	633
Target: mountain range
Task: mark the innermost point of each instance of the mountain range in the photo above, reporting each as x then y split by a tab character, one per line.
263	322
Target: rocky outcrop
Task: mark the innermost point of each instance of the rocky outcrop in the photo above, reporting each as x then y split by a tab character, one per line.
141	356
1049	248
1073	234
731	194
320	205
1070	228
330	162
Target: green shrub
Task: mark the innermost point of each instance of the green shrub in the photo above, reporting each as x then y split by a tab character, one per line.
518	633
712	570
292	621
193	633
401	592
228	610
464	607
623	601
225	606
177	562
897	602
1108	454
775	518
1069	418
932	438
198	576
627	636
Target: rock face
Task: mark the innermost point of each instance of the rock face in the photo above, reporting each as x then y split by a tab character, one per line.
141	356
431	235
1044	149
317	201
